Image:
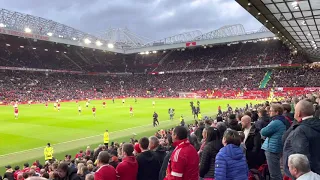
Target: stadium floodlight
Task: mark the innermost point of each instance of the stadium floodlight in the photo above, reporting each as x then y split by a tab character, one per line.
303	22
57	51
74	38
87	41
316	47
313	42
60	36
267	21
8	45
154	52
110	45
34	48
205	47
49	33
164	51
2	25
99	43
45	49
309	34
21	46
65	52
147	52
249	4
27	30
141	53
275	38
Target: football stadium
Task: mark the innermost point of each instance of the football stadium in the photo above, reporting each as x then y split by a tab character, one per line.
223	104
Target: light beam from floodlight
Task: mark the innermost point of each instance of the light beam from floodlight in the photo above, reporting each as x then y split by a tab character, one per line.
87	41
27	30
99	43
110	46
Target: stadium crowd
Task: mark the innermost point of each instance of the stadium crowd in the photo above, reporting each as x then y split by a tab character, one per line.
21	52
272	140
39	87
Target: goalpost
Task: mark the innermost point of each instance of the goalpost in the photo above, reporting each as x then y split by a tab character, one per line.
187	95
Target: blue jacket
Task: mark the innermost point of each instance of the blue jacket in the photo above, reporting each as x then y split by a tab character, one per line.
231	164
274	132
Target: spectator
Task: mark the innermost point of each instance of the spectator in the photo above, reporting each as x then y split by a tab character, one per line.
166	159
128	168
299	168
273	145
89	177
9	173
114	159
263	119
252	142
65	172
303	138
184	160
157	148
233	123
148	162
105	170
208	156
230	161
194	141
199	130
287	112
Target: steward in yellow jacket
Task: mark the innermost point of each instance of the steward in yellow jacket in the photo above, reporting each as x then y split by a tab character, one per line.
106	138
48	152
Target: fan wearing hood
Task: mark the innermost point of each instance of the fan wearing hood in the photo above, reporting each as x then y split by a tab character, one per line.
230	162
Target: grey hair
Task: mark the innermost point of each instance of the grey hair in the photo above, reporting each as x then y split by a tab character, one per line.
154	140
306	107
300	162
89	177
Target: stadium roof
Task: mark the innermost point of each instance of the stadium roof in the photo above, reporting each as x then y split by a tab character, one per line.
295	22
118	40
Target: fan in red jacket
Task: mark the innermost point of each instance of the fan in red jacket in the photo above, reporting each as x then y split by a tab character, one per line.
128	168
184	160
80	154
105	171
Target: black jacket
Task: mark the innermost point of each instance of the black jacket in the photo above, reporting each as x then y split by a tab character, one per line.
198	132
71	175
262	122
208	158
234	125
163	170
304	139
8	175
254	154
161	153
149	166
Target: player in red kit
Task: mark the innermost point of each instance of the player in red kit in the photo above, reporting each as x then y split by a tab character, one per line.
58	106
94	111
46	104
131	111
16	113
104	104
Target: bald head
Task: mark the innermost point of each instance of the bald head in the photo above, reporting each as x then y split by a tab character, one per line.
246	121
303	109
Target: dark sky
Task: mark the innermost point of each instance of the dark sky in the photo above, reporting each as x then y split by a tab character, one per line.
155	19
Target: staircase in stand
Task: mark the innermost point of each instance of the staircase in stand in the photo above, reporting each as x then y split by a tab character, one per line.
265	80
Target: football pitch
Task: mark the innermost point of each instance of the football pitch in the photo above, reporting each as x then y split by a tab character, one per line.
24	138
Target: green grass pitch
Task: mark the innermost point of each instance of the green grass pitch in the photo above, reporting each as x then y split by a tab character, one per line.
24	138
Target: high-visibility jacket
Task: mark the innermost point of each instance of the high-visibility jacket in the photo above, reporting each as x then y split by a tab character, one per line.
181	118
106	137
199	116
48	153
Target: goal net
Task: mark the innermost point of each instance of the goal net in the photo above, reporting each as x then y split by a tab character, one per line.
187	95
